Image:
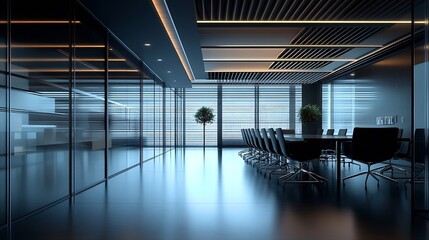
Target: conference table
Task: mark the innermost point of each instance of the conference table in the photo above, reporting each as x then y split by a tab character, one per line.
338	139
335	138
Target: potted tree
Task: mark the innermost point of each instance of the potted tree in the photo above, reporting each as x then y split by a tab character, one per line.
309	115
204	116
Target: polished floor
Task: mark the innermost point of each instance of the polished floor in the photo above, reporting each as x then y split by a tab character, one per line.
191	194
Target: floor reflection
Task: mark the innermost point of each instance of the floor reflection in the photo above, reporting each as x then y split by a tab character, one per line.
215	195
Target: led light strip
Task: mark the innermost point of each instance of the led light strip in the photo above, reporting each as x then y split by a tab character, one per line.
271	70
280	60
64	60
168	23
275	46
77	70
39	22
304	22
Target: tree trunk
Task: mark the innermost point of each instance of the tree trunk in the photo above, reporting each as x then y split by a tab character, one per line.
204	136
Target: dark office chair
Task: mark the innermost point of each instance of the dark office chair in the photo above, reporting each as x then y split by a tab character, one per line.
319	131
328	147
330	131
303	152
371	146
390	166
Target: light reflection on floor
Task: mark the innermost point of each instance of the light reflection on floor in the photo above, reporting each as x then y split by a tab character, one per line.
192	195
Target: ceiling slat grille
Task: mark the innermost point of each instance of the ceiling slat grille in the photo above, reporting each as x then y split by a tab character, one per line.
335	35
266	77
299	65
300	10
300	58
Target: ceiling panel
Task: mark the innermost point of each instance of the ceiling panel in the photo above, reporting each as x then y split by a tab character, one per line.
240	53
311	39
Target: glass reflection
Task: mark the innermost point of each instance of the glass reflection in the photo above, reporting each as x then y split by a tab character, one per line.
89	102
3	51
158	119
39	105
124	111
148	137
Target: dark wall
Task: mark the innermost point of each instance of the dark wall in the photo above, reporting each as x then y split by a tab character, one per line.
312	94
384	89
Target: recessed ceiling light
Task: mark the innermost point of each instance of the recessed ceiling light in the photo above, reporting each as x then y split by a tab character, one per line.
168	71
147	44
174	81
159	59
352	74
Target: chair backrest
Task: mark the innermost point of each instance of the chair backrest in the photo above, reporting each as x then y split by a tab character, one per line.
254	139
330	131
374	144
281	140
419	145
319	131
268	145
274	141
259	139
288	131
399	143
342	132
248	139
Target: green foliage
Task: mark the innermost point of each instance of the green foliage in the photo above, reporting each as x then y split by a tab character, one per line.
310	113
204	115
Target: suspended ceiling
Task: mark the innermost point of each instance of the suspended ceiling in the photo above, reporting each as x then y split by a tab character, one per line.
293	41
258	41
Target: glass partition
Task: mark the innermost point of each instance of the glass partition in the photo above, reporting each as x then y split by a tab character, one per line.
278	106
89	101
238	111
148	102
159	117
39	130
124	109
421	106
3	108
197	97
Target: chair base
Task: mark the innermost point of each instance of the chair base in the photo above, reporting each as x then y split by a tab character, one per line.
313	177
371	173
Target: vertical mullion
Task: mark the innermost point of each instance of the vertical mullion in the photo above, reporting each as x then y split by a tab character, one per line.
256	97
413	47
106	106
72	79
184	118
175	118
163	120
141	116
219	116
8	125
292	107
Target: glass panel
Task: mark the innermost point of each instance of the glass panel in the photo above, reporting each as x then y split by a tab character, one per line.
421	105
3	51
3	29
278	106
238	111
179	117
39	105
124	110
148	119
197	97
347	102
89	100
158	119
167	119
